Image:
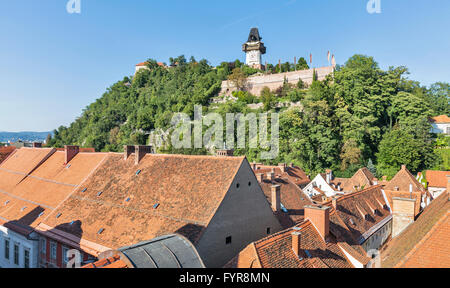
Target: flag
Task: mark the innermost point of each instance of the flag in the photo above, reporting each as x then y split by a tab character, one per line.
328	56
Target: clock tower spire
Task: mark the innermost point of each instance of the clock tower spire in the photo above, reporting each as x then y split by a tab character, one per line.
254	49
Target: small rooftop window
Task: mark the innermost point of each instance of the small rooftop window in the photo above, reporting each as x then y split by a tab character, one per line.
138	172
84	190
40	214
283	208
6	202
23	208
156	206
71	223
128	199
100	231
68	166
58	215
99	194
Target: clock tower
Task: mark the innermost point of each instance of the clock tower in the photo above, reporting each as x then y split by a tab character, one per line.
254	48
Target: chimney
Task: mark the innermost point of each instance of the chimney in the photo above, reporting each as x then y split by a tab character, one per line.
260	177
396	188
329	173
271	176
276	198
127	151
254	166
403	167
282	167
448	186
37	145
140	152
296	242
319	216
70	152
291	165
334	202
403	214
410	191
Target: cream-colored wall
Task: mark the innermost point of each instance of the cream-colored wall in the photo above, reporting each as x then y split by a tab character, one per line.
255	84
244	214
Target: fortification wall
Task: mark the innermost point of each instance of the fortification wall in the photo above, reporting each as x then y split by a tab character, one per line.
255	84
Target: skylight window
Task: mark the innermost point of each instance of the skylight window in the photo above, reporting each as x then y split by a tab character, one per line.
84	190
40	214
99	194
6	202
156	206
283	208
58	215
128	199
101	231
68	166
138	172
23	208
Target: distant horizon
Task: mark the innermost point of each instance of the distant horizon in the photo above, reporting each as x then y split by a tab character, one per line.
54	64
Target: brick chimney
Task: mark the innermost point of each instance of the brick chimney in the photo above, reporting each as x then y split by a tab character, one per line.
141	151
271	176
296	242
70	152
276	198
403	211
260	177
403	167
37	145
282	167
448	186
334	202
319	216
253	166
127	151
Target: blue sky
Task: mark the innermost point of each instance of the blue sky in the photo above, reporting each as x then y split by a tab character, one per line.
53	64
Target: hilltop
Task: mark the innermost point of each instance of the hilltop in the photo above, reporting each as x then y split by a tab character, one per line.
360	113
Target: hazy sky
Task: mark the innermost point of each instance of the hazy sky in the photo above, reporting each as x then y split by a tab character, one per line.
53	64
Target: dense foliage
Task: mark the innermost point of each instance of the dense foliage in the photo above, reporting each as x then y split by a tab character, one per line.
361	116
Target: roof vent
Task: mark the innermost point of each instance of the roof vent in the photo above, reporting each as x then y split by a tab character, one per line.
128	199
6	202
23	208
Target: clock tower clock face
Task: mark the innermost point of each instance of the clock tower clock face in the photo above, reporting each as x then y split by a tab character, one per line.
253	57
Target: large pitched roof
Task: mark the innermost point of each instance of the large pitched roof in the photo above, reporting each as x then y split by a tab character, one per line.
437	178
425	242
122	203
34	181
362	212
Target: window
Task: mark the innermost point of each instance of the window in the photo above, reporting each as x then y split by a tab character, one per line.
448	130
238	185
228	240
16	253
249	184
53	250
65	256
43	246
26	258
268	230
6	249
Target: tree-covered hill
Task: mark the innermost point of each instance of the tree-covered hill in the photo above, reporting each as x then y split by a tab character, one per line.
364	113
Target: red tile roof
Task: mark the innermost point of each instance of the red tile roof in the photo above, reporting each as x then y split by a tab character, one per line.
35	181
425	242
146	63
275	251
172	194
5	152
437	178
294	174
442	119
